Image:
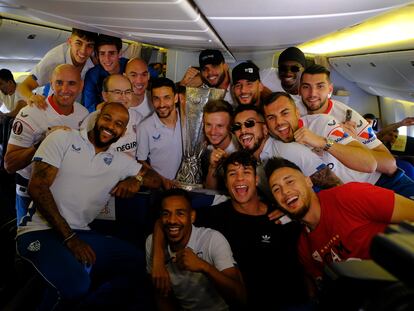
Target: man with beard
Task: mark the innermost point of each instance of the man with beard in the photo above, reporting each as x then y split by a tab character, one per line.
199	260
265	252
339	223
117	88
137	72
217	117
252	134
74	174
159	135
315	88
110	62
214	72
291	64
247	87
32	125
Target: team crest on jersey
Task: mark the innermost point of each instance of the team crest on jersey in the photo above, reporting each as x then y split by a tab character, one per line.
108	160
338	134
156	137
23	115
77	149
34	246
17	127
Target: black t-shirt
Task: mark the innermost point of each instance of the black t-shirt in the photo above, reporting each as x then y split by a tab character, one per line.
266	254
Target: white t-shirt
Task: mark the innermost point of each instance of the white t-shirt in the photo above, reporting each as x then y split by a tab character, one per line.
302	156
84	179
326	126
194	290
58	55
161	145
9	102
128	142
145	108
31	125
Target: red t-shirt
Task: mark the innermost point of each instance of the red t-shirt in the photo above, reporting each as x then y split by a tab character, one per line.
351	215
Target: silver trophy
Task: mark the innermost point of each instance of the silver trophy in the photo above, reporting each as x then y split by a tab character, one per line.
189	176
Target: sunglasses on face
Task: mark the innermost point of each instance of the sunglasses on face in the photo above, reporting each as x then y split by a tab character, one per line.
286	68
248	124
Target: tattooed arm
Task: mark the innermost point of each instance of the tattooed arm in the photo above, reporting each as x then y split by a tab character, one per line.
325	178
42	178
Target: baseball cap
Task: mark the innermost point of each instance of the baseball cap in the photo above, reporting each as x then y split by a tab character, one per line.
293	54
245	71
214	57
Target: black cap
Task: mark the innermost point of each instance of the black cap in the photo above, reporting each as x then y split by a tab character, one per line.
213	57
292	54
245	71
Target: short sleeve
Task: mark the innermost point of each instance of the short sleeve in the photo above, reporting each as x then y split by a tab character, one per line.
142	142
53	148
26	128
220	252
42	71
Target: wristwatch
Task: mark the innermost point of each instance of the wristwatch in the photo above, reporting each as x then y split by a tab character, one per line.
329	144
140	179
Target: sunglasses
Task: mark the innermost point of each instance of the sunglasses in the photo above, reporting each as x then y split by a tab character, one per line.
286	68
248	124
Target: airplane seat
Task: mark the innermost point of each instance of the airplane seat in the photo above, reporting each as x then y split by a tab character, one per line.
135	217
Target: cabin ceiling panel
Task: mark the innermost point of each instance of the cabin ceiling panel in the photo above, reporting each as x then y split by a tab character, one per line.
166	23
276	8
277	33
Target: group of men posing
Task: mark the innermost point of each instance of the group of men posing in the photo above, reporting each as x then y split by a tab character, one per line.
276	142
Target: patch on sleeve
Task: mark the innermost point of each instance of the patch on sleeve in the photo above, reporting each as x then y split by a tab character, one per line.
17	128
37	159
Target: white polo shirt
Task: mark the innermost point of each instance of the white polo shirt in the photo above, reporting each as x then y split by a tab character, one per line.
232	147
128	142
58	55
84	179
194	290
31	125
326	126
145	108
161	145
365	133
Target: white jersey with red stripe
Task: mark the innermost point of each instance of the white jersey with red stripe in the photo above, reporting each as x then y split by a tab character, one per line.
365	133
31	124
327	126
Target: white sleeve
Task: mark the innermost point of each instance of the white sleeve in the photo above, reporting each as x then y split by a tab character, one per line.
53	148
142	142
220	252
130	167
26	129
43	70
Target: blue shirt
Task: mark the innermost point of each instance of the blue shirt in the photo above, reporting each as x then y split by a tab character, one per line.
92	89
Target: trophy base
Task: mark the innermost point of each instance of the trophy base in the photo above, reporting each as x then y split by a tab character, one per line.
189	187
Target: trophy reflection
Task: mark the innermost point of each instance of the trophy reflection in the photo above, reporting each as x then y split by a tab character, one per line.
189	175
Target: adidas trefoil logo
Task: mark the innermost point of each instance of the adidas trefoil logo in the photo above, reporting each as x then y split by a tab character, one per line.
265	238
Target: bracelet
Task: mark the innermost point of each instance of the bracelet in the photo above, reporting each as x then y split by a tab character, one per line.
68	238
